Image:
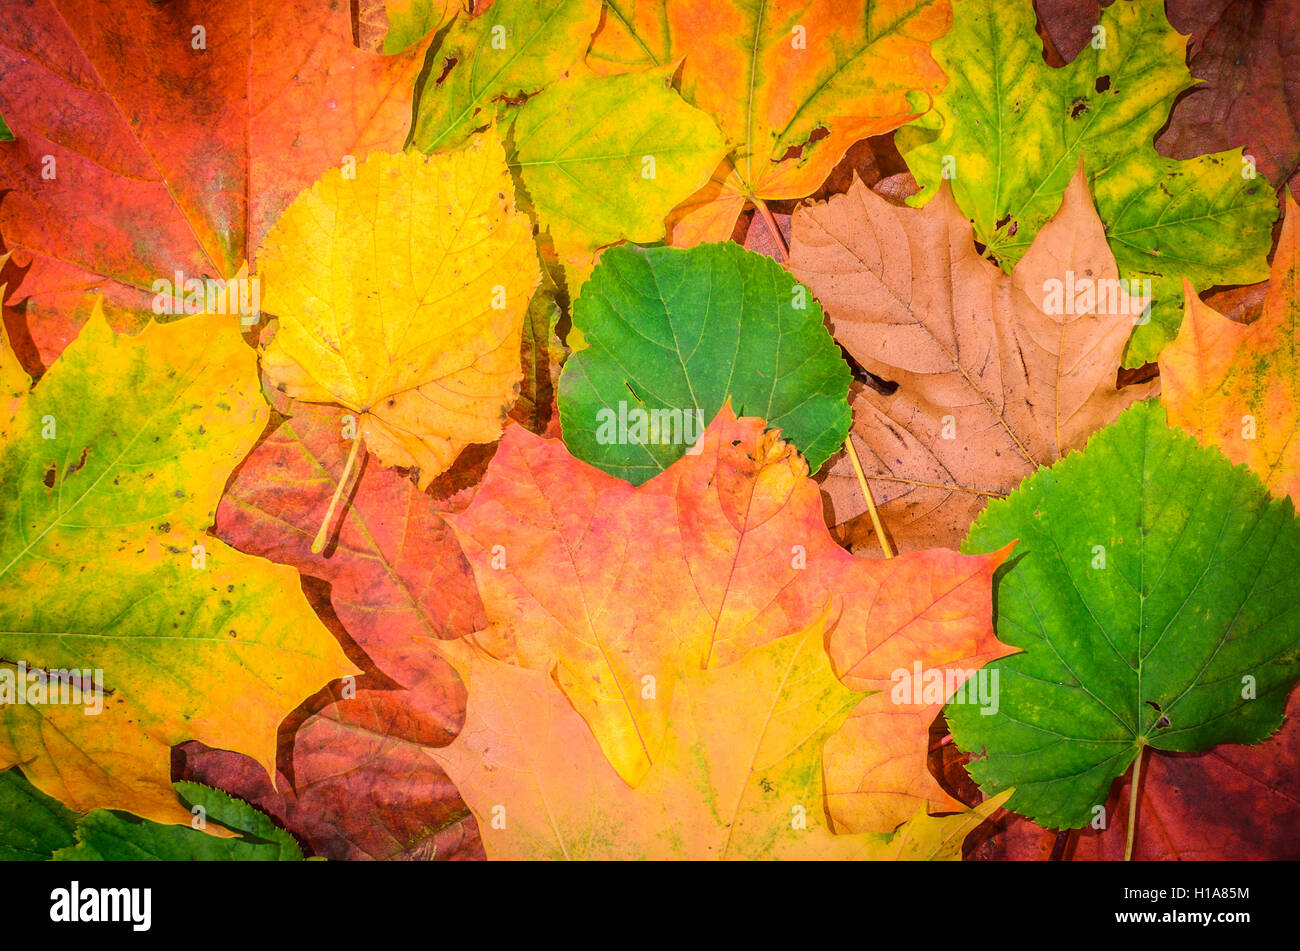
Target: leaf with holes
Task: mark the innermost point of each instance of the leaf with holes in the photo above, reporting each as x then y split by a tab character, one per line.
487	65
1009	130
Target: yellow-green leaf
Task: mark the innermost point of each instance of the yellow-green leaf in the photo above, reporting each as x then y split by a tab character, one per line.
515	48
606	158
109	479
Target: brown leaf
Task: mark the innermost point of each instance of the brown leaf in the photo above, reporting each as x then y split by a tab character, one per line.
991	383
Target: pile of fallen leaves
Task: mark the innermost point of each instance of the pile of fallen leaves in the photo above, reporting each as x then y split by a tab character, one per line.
649	429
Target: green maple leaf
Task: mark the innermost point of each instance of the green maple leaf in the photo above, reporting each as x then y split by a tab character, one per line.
671	330
1013	130
1155	595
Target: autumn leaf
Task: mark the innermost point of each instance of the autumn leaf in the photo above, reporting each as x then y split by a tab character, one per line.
1248	55
672	335
358	783
543	355
153	138
1237	386
791	84
1013	129
115	462
997	374
1153	593
617	588
739	777
401	296
484	64
406	22
598	172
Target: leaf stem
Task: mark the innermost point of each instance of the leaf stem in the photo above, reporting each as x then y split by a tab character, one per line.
1133	801
866	493
772	227
318	544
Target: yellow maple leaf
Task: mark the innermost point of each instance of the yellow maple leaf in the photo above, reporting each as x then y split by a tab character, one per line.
740	778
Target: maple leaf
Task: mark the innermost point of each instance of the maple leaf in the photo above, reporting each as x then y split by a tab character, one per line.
1237	386
1245	51
490	63
116	460
1154	595
739	776
1013	129
124	173
395	580
619	587
997	374
791	83
421	336
671	335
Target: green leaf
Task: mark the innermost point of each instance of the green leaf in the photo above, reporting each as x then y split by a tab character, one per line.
104	836
32	825
112	593
1155	594
515	48
1013	129
671	330
5	134
410	21
605	158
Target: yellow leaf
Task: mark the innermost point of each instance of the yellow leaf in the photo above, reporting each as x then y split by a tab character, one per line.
740	778
401	296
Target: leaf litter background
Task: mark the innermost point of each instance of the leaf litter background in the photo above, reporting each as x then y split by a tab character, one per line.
186	166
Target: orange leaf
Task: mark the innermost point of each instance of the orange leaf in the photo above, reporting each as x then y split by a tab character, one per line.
1237	386
617	588
791	83
123	174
